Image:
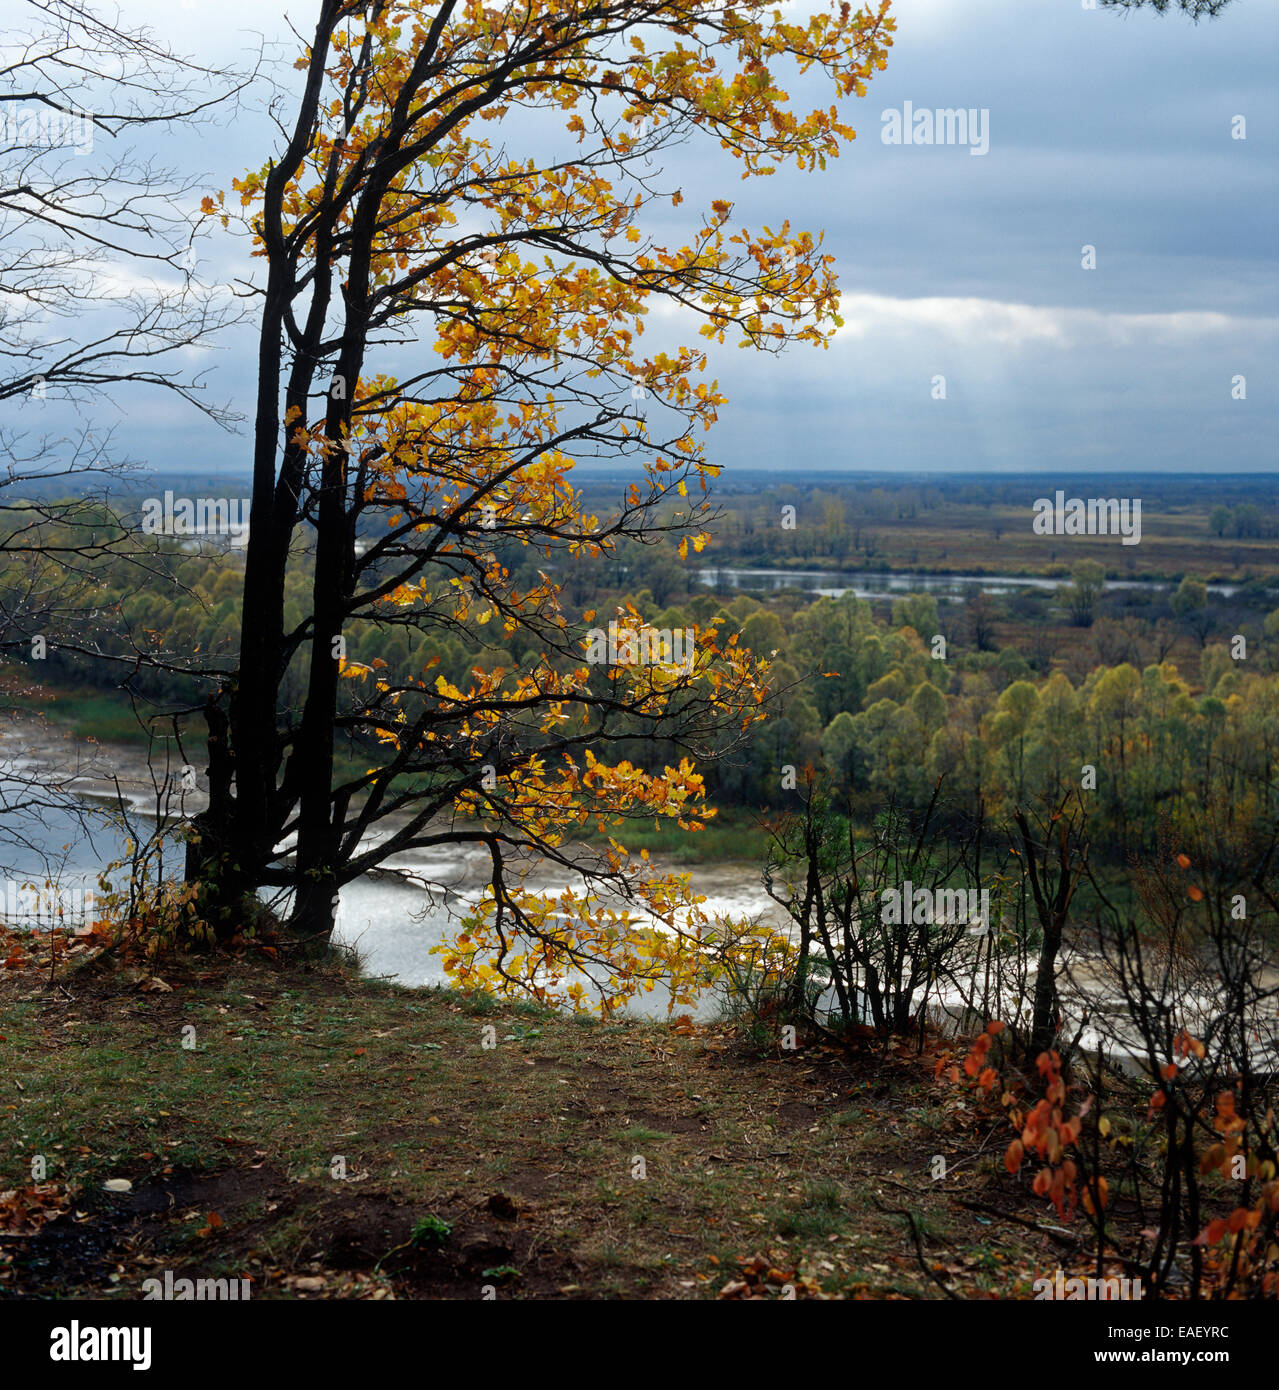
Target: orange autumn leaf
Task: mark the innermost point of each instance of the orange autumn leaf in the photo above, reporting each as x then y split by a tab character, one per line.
1212	1233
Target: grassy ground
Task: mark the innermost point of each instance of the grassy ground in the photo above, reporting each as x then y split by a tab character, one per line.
569	1159
730	836
90	712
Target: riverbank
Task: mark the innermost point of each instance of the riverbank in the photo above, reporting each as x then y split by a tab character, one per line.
392	918
50	739
333	1137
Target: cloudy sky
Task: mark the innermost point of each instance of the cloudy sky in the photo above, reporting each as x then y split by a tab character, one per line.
1104	130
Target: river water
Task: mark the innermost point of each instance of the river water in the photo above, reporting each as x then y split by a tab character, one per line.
887	584
393	925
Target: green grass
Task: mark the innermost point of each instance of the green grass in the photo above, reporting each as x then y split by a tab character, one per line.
91	713
819	1211
293	1069
725	838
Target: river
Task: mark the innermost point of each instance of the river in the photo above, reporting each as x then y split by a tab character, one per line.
393	926
886	584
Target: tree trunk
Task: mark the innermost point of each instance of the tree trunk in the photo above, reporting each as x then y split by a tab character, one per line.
1052	906
211	860
1043	1027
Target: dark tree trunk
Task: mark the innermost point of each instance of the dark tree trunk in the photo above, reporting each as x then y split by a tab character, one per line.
1052	907
242	828
1043	1028
210	858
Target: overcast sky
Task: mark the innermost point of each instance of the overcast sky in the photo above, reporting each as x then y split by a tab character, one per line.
1104	130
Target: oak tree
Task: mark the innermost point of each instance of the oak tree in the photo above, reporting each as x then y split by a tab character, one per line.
462	248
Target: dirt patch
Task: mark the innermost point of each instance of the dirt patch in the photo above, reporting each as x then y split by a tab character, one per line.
114	1241
179	1193
68	1253
528	1187
106	1242
350	1232
796	1114
668	1124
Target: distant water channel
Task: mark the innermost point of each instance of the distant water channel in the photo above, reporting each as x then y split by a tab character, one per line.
885	584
